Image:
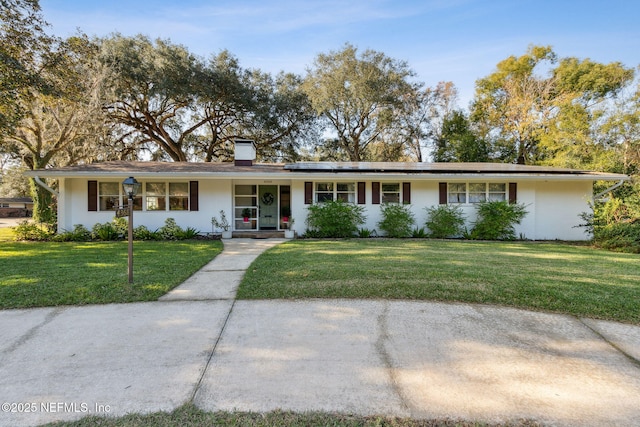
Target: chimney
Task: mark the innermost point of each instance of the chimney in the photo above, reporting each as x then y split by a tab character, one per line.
245	152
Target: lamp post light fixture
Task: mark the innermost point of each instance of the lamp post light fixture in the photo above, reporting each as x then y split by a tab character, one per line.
130	187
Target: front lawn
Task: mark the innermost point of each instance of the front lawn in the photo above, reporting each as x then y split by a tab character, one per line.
37	274
556	277
189	415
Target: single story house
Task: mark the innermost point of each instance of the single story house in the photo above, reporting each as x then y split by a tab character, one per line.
15	207
265	197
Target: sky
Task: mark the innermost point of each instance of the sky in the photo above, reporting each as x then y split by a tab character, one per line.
441	40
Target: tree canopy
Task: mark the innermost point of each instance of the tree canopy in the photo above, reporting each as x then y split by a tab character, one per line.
78	100
358	95
537	117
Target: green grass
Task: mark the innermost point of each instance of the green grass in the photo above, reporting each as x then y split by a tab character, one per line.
37	274
189	415
6	234
555	277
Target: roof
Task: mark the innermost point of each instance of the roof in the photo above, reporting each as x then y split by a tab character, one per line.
16	200
321	169
424	167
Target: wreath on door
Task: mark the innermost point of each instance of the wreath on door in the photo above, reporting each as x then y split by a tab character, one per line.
267	199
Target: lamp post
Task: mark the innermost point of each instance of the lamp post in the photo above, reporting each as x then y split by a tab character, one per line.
130	187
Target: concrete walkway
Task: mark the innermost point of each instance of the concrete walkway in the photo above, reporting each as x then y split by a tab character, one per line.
406	358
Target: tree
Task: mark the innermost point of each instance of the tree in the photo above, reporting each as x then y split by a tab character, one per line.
22	45
278	116
586	108
186	109
418	124
154	89
515	102
12	181
458	143
621	131
550	118
357	95
59	129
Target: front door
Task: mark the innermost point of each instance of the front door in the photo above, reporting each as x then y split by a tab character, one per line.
268	204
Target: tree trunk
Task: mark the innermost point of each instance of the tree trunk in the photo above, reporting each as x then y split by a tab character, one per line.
43	204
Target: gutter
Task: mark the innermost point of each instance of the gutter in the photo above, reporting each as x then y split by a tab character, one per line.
45	186
613	187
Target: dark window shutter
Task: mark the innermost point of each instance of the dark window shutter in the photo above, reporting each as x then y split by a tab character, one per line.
442	187
362	195
375	193
406	193
193	196
513	192
308	193
92	195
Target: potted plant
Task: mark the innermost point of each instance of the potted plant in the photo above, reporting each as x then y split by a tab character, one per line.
246	214
286	213
222	224
289	233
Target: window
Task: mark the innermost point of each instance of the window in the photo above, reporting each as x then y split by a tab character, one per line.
478	192
457	192
329	191
156	196
109	195
324	192
346	192
178	196
497	192
390	193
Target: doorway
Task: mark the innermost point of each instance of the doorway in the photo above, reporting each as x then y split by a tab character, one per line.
268	207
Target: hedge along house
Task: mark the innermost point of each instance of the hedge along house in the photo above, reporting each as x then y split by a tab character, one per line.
260	198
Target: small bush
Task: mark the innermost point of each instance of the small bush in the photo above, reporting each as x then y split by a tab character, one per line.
187	233
418	233
170	230
619	237
364	233
397	220
26	230
497	220
108	231
79	234
143	233
445	221
334	219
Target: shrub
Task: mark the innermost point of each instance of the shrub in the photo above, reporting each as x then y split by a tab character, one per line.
614	224
143	233
107	231
170	230
26	230
497	220
334	219
619	237
364	233
418	233
187	233
445	221
80	233
397	220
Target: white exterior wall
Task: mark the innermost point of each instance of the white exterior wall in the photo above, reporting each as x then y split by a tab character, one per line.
553	207
213	196
557	206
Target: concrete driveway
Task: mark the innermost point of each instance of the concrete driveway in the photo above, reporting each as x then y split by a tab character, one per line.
11	222
405	358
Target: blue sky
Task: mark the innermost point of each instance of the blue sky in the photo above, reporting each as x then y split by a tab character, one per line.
441	40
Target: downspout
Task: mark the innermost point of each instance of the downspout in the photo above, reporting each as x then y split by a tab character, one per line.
613	187
45	186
